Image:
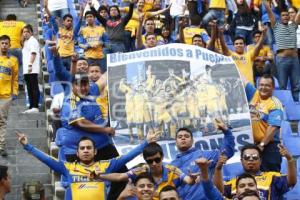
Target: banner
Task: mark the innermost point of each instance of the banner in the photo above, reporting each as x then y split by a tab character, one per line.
172	86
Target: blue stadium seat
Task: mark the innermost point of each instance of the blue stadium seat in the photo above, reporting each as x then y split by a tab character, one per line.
284	166
286	129
232	170
285	96
292	143
292	111
294	194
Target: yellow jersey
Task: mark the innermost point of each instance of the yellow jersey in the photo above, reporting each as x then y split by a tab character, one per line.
66	42
221	4
102	101
148	5
13	29
264	52
244	63
296	3
8	76
92	36
264	112
189	32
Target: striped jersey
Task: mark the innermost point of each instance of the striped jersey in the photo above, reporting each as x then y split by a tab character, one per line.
285	36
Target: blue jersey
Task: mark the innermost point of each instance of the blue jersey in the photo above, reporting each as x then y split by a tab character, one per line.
74	109
80	186
185	162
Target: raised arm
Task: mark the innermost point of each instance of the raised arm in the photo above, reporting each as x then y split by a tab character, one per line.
224	47
139	41
117	163
152	14
291	171
101	19
260	42
55	165
129	14
52	19
218	174
214	32
210	190
270	12
228	144
297	18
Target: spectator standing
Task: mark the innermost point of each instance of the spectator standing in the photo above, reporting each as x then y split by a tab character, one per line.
244	60
216	11
177	10
243	22
114	26
9	86
66	35
31	68
13	29
266	116
5	181
91	40
287	62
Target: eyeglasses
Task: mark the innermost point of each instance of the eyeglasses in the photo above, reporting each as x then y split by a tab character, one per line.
251	156
156	160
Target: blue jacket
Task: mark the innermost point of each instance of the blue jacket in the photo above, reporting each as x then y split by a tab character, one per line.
211	191
185	162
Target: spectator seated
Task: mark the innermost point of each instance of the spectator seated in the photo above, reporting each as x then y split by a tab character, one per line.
275	79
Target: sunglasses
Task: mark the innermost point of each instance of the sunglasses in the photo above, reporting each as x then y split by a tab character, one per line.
251	157
156	160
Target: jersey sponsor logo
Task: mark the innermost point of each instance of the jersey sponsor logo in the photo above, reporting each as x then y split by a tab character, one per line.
5	70
85	186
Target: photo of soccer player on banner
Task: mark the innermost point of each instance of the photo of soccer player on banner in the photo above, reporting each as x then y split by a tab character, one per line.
164	94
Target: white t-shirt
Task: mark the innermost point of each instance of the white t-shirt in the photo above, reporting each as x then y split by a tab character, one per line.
57	101
177	7
57	5
31	46
87	7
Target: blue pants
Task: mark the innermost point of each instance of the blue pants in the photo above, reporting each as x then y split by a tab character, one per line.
66	61
60	13
271	158
219	15
247	35
289	68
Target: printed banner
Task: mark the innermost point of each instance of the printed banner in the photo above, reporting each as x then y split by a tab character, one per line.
172	86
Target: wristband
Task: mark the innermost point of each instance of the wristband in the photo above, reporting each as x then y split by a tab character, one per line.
291	160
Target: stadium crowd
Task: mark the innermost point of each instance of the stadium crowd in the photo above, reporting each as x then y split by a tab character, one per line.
261	36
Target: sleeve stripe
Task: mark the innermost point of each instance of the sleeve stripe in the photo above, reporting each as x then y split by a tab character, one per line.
75	120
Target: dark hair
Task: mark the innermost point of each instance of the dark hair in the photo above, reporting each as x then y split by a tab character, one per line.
152	149
256	32
284	9
81	58
86	138
148	34
67	16
250	146
28	27
197	36
294	8
11	17
244	176
3	172
248	193
269	76
168	188
4	37
102	7
114	6
184	129
239	38
195	21
143	175
149	19
89	12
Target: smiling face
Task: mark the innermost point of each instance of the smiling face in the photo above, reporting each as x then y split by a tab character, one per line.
184	141
145	189
265	88
239	46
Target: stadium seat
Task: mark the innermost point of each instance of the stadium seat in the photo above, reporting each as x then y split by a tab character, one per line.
292	143
292	111
294	194
283	166
285	96
232	170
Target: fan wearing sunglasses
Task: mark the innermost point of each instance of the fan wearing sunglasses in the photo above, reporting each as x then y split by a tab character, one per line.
163	174
271	185
246	185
